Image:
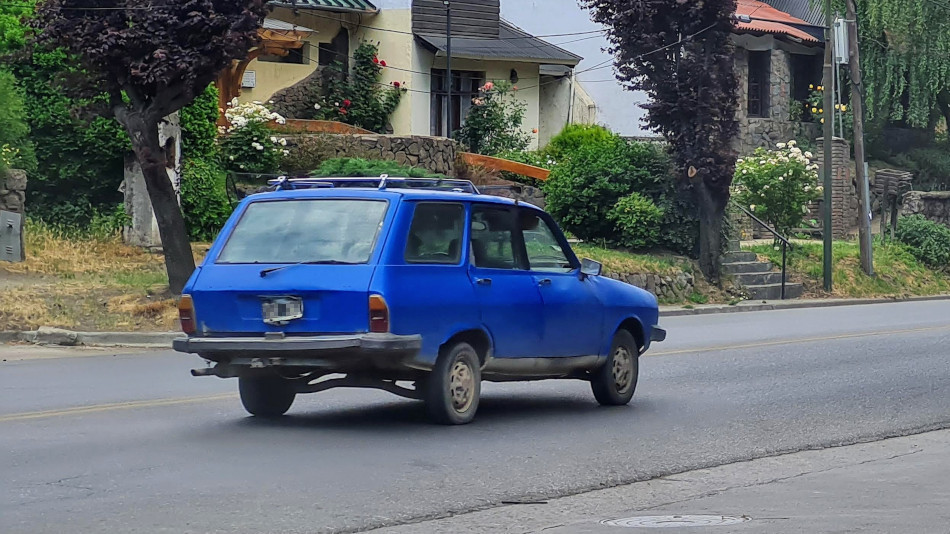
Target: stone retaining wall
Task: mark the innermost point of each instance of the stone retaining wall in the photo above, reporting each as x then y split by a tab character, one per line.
935	206
671	288
435	154
13	191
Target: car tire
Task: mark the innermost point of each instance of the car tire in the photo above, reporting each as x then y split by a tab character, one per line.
614	383
269	396
454	385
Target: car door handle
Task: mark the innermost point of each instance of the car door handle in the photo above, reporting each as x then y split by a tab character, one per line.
544	282
483	281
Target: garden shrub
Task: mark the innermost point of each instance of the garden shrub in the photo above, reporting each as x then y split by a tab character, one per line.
368	168
777	185
249	146
928	241
493	125
931	166
574	136
15	147
199	130
584	188
204	201
638	221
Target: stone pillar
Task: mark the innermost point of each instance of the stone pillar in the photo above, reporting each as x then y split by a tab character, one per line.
844	195
143	231
12	201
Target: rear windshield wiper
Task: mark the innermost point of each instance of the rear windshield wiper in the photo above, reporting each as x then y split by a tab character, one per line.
266	272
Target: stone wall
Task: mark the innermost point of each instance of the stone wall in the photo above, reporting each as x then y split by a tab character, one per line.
844	194
13	191
935	206
755	132
668	288
435	154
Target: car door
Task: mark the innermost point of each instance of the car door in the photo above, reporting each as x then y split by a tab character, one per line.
507	294
573	314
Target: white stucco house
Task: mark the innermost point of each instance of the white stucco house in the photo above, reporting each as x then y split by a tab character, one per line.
412	40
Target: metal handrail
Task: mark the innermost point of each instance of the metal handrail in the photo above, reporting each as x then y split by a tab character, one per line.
786	244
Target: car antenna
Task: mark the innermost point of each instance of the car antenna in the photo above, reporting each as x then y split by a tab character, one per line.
382	181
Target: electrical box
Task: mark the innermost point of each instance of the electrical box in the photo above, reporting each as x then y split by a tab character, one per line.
842	50
11	236
249	81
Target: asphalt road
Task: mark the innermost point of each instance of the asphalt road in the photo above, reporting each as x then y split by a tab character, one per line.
132	443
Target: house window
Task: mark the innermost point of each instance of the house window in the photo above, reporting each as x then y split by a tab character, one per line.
759	70
806	70
297	56
464	89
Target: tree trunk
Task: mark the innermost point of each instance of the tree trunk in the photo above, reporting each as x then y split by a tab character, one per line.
943	102
179	261
711	212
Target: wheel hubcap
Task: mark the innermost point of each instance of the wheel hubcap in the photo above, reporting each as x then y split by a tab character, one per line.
622	369
461	386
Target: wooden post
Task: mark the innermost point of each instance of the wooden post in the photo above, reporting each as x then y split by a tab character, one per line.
857	108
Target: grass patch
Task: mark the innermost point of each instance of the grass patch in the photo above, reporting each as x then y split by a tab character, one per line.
897	272
619	261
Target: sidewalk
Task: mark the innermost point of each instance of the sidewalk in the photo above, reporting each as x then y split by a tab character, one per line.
895	485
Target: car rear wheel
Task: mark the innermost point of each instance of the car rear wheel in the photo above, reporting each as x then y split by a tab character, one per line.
453	387
269	396
614	383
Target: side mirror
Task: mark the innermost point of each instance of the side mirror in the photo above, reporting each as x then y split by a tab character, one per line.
590	268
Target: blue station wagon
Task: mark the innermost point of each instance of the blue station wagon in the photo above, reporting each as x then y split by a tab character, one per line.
419	287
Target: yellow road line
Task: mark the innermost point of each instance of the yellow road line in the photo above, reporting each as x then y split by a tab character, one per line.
796	340
82	410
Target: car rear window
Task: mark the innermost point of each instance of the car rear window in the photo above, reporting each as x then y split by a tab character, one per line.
306	231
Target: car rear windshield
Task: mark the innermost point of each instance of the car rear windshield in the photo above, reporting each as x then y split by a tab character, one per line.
306	231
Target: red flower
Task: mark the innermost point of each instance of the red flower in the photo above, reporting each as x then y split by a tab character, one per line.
376	60
396	85
343	111
383	63
347	103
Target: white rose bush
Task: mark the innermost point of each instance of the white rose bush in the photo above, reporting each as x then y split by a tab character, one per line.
777	185
249	145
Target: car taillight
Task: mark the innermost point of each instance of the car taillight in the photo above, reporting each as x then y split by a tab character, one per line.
186	315
378	315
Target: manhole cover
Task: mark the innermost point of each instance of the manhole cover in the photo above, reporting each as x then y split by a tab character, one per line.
674	521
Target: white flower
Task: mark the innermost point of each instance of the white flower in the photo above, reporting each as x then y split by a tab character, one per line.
273	140
762	162
283	142
792	143
752	207
285	152
316	106
807	188
795	150
336	104
766	186
781	178
281	121
809	155
780	145
744	171
231	158
740	160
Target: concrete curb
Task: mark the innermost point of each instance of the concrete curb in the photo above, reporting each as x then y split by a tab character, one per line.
750	306
67	338
163	340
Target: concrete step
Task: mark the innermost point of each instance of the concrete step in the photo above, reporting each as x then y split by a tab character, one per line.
759	279
746	267
738	256
774	291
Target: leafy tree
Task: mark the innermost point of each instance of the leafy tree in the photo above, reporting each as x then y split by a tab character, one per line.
12	31
152	60
15	148
679	53
493	125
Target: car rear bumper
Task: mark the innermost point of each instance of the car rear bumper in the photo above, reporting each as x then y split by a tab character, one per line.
333	353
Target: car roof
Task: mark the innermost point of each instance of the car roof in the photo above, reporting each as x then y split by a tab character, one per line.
372	193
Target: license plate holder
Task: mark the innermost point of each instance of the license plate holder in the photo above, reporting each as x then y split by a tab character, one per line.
279	311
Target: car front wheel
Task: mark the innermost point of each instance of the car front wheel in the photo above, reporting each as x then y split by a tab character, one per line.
269	396
454	385
614	383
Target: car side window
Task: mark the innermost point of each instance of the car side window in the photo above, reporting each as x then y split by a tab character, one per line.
493	238
436	233
544	251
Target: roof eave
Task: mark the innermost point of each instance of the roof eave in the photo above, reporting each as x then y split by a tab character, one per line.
331	9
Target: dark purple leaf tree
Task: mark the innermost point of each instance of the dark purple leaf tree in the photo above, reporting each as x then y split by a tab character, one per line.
678	52
152	59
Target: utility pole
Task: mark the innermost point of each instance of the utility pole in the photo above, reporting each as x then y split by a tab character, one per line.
857	108
448	66
829	133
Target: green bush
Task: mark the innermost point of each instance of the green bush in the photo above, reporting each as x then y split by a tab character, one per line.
204	201
368	168
493	125
638	221
250	146
931	167
199	130
528	157
584	188
928	241
15	147
573	137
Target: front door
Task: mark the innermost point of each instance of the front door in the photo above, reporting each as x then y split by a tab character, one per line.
573	315
508	296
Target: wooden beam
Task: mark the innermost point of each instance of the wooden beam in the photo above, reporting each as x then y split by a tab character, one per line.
498	164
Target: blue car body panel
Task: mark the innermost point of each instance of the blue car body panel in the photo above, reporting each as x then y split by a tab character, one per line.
523	313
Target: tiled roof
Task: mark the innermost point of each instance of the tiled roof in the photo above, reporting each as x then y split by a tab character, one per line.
340	6
512	43
767	19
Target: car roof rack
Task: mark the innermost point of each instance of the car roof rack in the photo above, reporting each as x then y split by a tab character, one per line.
284	183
